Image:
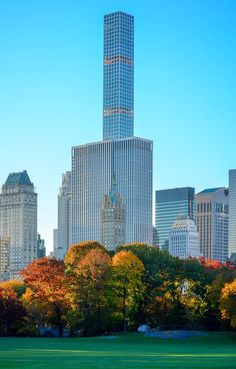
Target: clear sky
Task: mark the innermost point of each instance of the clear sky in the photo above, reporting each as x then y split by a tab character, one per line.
51	89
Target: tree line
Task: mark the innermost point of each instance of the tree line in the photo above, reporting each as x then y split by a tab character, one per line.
94	291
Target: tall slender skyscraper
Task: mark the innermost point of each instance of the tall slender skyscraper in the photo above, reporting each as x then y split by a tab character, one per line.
120	154
118	92
232	213
18	221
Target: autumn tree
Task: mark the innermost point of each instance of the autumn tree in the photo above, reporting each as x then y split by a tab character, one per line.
78	251
45	279
128	270
161	282
228	303
90	290
11	310
18	286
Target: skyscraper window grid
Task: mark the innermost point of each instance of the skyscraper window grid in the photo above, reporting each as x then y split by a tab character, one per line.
232	213
118	81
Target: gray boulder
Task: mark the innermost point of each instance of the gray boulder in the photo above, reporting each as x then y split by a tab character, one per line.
144	328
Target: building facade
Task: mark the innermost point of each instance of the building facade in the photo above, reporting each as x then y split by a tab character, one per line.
122	155
169	205
63	217
41	249
212	220
184	239
18	221
118	76
232	213
4	258
113	219
93	167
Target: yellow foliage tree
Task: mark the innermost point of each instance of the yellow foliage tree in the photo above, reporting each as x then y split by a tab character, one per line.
128	270
228	303
77	251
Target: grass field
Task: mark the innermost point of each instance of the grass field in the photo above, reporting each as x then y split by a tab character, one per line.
132	351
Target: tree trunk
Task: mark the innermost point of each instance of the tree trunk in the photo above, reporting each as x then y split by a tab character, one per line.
124	311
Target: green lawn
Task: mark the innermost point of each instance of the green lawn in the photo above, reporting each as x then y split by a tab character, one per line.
132	351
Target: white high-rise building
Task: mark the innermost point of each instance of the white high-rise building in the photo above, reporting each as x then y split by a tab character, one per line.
64	213
18	221
184	238
232	213
212	220
122	155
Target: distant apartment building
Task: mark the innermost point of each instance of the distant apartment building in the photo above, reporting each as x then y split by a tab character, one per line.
41	249
18	221
55	242
113	219
155	238
63	217
184	238
212	220
232	214
4	258
169	205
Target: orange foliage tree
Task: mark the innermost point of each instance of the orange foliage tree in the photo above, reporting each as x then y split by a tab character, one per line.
45	279
11	310
17	286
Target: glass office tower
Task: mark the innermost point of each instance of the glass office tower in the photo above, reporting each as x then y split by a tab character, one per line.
118	82
170	204
93	169
232	213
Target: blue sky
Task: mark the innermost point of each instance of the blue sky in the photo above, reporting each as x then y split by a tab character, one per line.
51	89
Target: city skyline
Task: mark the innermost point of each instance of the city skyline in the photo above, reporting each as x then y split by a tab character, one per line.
50	122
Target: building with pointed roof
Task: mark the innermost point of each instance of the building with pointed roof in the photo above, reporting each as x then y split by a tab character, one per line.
18	221
113	219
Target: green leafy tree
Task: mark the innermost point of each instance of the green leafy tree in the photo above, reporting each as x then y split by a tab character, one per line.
90	291
128	270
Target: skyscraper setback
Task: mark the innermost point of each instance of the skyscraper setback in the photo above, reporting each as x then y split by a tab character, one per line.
120	154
